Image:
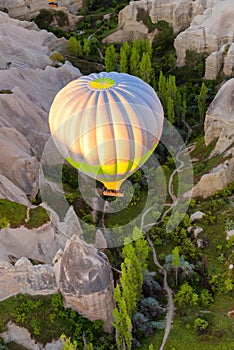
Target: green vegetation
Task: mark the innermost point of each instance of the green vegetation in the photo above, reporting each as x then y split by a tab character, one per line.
37	217
46	319
6	91
14	214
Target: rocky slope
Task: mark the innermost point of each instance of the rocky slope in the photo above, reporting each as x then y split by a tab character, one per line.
28	9
218	127
22	44
211	33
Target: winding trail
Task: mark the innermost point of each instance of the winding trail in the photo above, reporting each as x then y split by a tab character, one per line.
169	291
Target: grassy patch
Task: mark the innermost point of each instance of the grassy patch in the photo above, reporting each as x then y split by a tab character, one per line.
15	213
5	91
37	217
219	335
128	214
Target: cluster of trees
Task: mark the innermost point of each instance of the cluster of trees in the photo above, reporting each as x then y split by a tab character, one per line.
133	58
78	48
137	308
136	59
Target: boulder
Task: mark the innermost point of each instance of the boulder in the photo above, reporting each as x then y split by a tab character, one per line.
19	335
198	215
86	281
229	234
195	230
218	178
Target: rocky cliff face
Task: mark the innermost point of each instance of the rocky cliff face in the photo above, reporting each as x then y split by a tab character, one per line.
212	33
179	13
86	281
25	97
28	9
22	44
218	126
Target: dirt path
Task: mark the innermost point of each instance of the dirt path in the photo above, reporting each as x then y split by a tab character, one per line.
169	291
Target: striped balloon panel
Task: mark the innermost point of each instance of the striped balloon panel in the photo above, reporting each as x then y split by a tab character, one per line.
106	131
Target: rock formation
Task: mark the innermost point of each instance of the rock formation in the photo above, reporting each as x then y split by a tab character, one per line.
25	131
28	9
218	126
42	242
21	336
86	281
219	119
81	273
208	33
178	13
31	279
22	44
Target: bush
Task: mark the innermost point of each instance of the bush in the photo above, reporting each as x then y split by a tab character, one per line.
44	19
200	325
3	222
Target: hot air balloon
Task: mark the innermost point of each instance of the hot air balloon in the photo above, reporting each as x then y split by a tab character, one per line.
106	125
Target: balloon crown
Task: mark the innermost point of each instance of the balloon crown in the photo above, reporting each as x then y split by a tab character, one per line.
101	83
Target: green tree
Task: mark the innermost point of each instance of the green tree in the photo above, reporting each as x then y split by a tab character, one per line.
151	347
67	343
186	295
141	247
124	57
170	110
201	102
122	322
72	46
134	61
162	89
145	69
131	278
79	48
111	59
86	47
176	261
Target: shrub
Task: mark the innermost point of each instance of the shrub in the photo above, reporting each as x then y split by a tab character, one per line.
200	325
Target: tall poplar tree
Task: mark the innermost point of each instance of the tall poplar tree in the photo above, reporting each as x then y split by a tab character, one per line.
145	69
122	322
124	57
72	46
111	59
170	110
176	261
201	102
86	47
134	62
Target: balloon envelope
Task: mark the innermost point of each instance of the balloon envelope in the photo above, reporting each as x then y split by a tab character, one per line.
106	125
